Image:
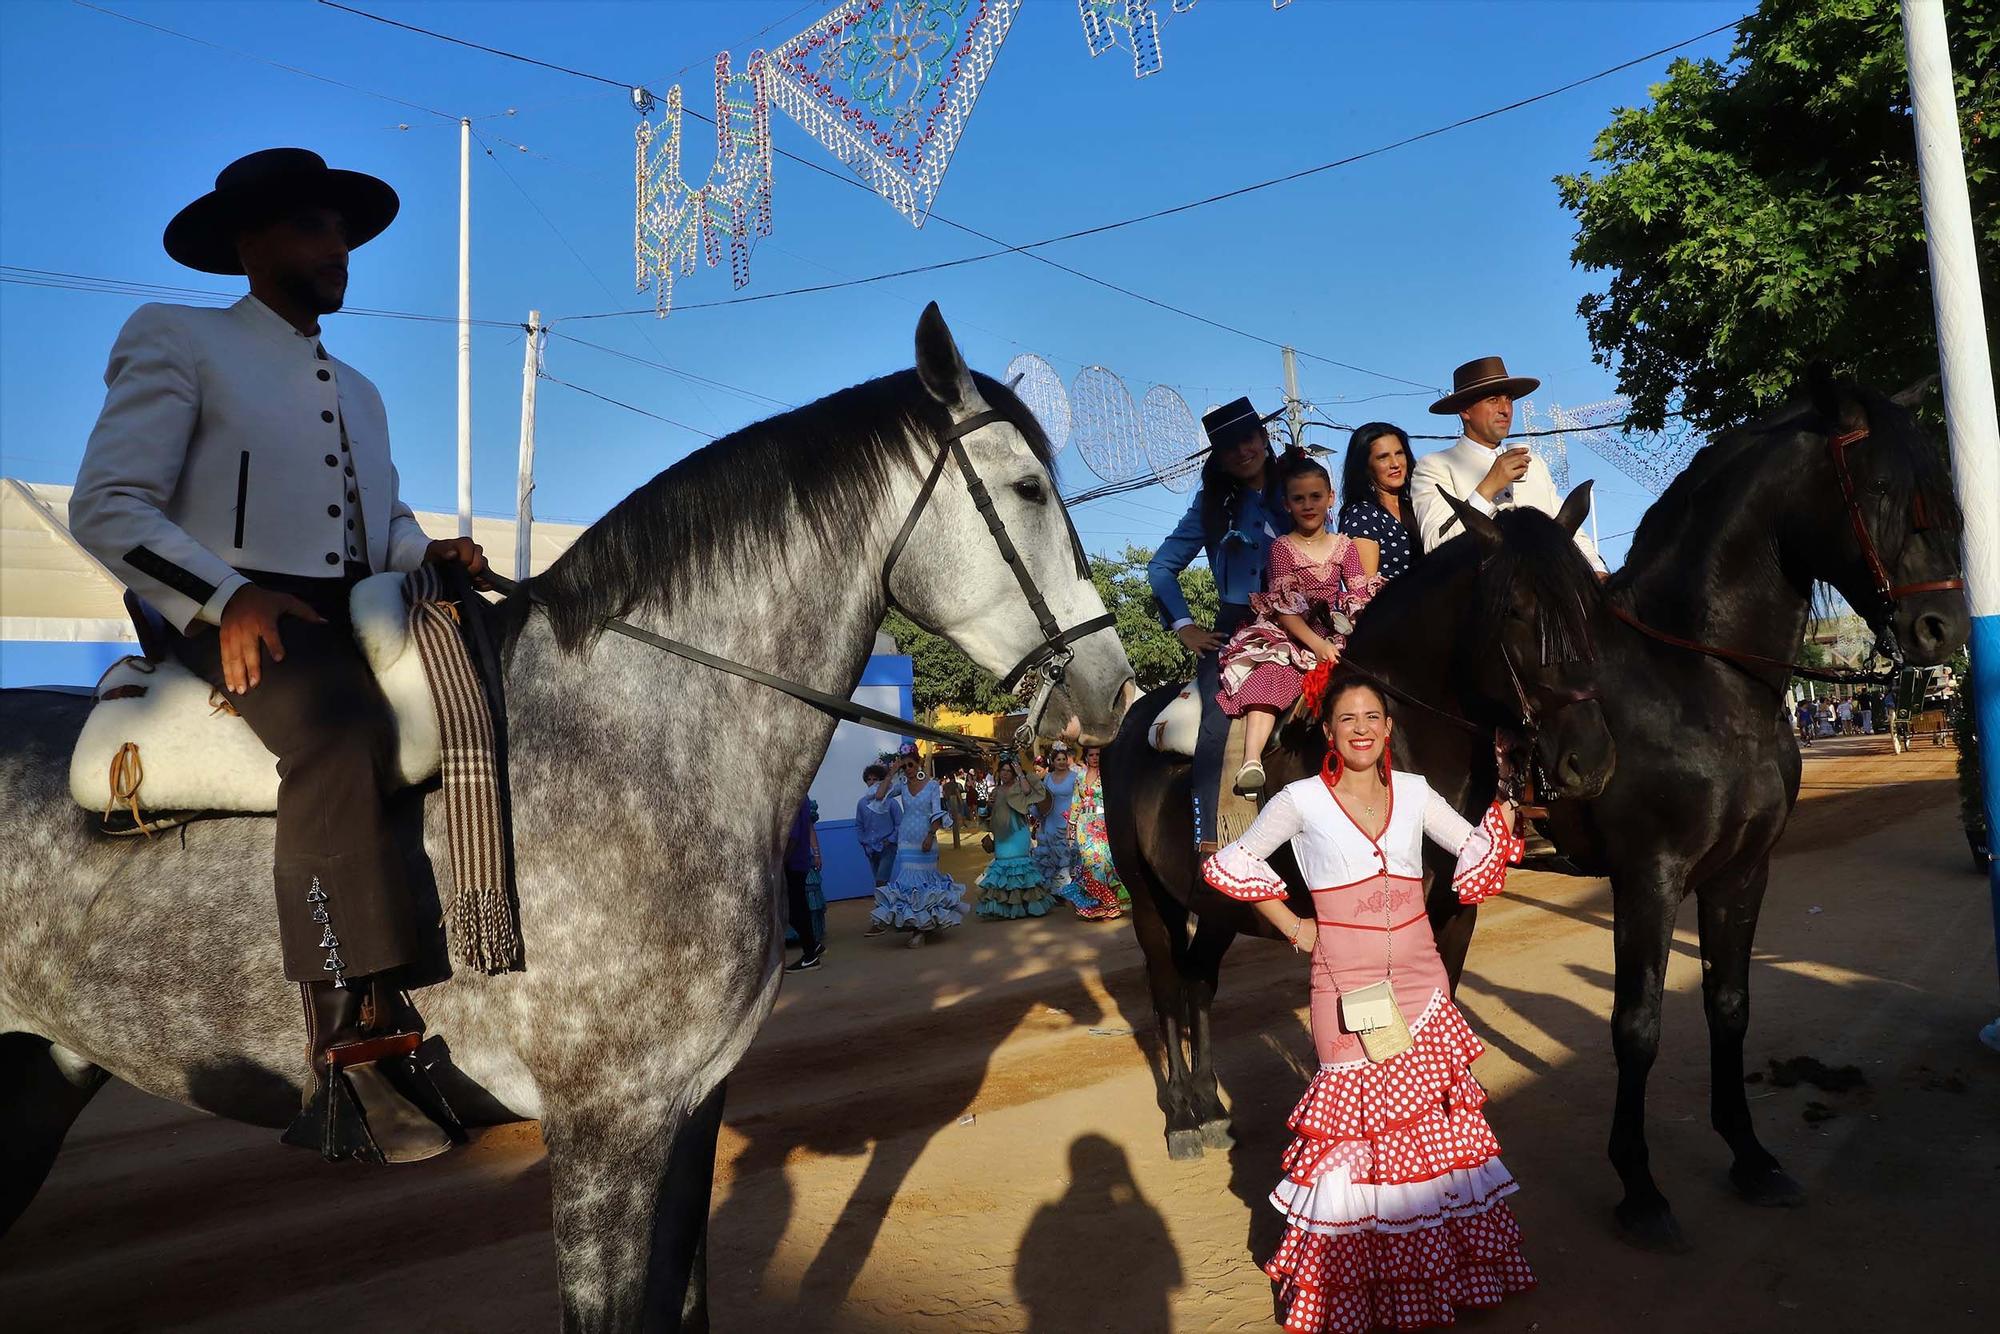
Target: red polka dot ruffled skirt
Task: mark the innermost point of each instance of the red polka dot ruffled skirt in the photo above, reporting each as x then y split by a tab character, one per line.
1394	1192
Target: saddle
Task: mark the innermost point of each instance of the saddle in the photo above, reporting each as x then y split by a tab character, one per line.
1175	730
160	738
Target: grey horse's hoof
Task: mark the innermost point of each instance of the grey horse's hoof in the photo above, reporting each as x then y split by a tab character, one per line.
1651	1227
1767	1187
1215	1134
1183	1145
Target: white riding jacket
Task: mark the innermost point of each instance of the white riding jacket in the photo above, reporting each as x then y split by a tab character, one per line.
230	441
1460	469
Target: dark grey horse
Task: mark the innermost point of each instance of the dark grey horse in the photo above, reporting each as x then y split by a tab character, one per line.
646	885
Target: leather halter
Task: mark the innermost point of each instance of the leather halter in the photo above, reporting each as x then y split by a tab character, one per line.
1052	655
1890	594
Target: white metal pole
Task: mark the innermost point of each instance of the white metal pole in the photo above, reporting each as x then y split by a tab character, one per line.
1964	359
524	510
465	328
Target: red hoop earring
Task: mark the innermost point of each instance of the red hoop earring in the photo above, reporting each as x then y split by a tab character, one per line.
1330	767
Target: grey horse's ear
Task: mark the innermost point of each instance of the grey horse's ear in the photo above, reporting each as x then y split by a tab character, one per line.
1479	525
939	364
1575	509
1916	393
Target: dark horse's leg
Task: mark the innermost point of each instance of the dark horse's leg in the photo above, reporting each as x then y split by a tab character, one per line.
38	1102
1204	968
1642	932
1161	924
1728	914
1451	921
682	1225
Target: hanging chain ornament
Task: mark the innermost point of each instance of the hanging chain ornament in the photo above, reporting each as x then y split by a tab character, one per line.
1106	425
1041	388
887	85
674	222
1172	437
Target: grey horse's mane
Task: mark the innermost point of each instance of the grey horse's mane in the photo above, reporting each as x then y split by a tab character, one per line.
814	474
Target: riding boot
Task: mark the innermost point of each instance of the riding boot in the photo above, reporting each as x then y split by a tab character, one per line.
371	1099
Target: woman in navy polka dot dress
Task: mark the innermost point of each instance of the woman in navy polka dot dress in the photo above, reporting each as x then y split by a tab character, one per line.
1394	1194
1375	491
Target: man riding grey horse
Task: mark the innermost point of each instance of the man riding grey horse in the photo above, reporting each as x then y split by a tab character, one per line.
239	481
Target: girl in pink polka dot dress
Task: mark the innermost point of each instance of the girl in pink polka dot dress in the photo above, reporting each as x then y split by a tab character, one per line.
1393	1193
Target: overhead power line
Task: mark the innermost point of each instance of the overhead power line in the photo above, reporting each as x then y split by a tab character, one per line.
619	403
84	282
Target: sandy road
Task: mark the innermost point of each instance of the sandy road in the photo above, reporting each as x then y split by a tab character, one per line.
965	1137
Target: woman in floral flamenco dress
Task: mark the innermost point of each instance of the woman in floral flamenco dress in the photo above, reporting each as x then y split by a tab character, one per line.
1012	886
1394	1194
1096	877
919	898
1316	584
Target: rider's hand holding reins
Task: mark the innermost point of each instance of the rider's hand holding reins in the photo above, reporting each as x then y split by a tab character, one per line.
462	551
249	624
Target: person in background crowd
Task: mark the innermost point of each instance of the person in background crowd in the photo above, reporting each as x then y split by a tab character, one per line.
1477	470
1236	515
1012	885
954	802
1844	711
1375	496
1097	877
1055	844
1867	711
802	856
1805	713
876	816
919	898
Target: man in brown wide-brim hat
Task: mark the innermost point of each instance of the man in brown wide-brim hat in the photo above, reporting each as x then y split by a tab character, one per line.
238	481
1478	468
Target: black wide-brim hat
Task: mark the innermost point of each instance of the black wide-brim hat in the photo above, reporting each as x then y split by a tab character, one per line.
262	187
1231	422
1480	378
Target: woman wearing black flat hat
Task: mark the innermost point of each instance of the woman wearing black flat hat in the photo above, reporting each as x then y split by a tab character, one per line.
239	481
1234	518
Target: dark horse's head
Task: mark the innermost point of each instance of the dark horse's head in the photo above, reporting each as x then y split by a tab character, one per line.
1526	653
1889	540
1496	629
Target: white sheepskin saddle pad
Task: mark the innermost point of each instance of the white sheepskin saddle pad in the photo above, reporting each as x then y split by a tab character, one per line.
195	756
1175	728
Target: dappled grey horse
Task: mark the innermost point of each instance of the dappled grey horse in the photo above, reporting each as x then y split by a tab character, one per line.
651	797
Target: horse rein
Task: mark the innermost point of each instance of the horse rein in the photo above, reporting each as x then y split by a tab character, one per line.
1890	594
1052	651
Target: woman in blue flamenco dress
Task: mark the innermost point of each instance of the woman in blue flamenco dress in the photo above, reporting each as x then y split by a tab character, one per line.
919	898
1012	886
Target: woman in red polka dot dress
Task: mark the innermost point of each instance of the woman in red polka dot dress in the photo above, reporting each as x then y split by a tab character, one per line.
1393	1193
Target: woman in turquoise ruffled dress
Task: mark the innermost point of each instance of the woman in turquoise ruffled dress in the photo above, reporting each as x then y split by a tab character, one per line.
1012	886
919	898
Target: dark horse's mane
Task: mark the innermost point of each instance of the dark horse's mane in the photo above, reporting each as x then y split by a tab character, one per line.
1690	496
808	475
1537	550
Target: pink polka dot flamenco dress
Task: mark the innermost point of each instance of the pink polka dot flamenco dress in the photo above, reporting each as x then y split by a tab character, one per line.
1393	1193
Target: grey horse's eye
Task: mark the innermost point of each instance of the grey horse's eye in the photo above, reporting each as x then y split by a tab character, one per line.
1031	490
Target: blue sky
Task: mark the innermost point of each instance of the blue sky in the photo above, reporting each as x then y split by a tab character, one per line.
1406	264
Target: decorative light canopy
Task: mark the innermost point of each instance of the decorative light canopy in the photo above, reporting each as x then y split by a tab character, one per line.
1040	386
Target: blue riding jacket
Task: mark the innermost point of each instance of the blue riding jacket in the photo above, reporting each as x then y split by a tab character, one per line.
1238	557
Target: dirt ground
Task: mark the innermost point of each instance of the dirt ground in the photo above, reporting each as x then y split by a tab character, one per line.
965	1138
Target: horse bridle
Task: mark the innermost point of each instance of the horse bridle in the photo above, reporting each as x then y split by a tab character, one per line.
1889	594
1052	655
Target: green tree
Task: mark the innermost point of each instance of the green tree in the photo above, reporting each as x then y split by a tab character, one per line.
1156	656
946	677
1762	213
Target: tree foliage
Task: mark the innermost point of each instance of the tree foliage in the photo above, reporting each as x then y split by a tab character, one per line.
1762	213
945	677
